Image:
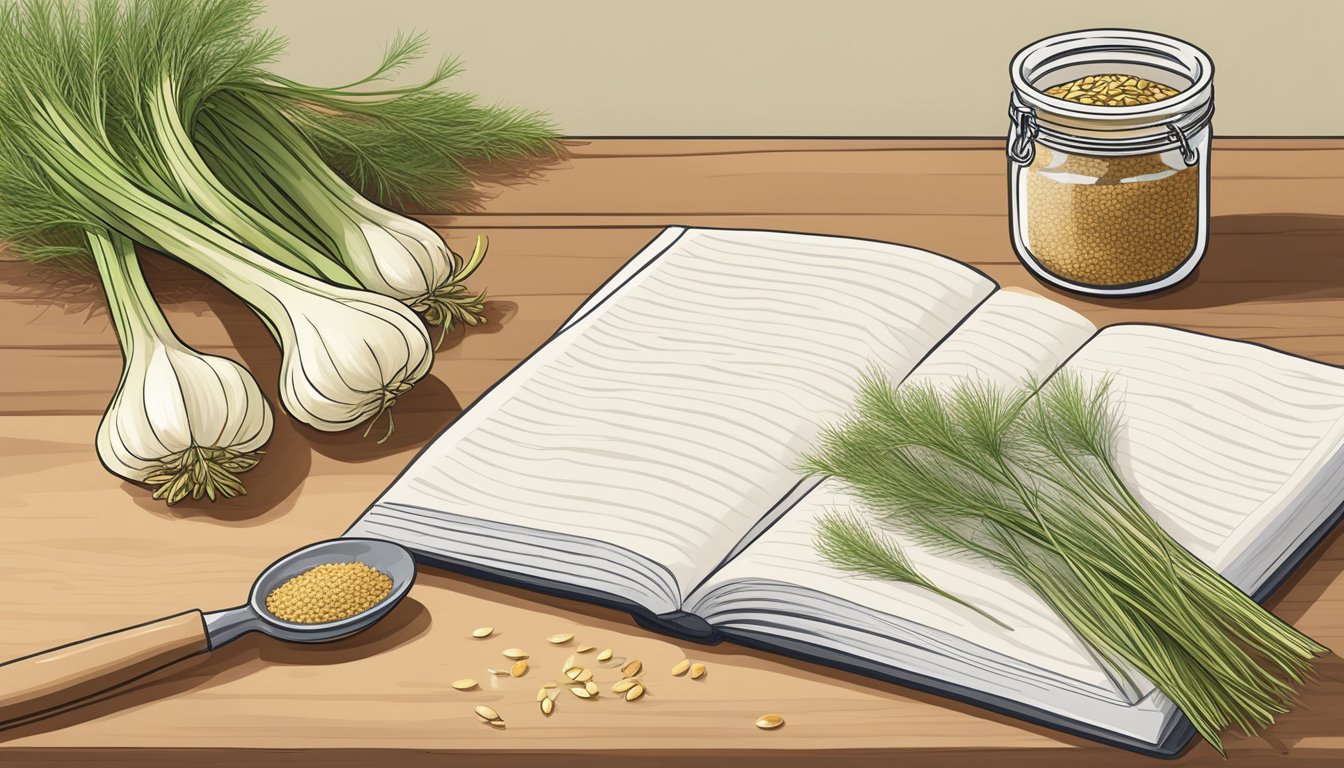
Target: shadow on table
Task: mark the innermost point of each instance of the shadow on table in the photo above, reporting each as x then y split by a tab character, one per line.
235	661
497	314
1258	257
419	415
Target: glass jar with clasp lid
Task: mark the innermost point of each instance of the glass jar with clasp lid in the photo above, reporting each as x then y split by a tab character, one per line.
1108	160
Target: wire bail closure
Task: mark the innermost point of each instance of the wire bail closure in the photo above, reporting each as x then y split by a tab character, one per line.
1188	153
1022	136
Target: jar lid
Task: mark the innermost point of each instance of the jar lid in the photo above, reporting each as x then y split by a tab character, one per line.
1101	129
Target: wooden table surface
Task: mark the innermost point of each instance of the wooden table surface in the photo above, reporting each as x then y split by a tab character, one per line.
82	552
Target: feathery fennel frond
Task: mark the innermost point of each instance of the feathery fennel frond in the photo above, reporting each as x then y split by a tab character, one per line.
852	544
1027	479
409	150
408	144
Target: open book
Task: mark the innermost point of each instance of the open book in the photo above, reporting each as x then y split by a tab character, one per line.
646	457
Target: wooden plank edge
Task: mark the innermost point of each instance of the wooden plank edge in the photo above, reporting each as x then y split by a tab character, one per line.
554	757
660	146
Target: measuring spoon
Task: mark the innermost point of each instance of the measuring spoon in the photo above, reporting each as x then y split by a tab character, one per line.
51	680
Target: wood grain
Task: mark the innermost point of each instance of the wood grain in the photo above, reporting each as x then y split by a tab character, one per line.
82	552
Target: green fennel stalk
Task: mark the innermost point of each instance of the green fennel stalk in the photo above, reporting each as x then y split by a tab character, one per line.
306	216
270	165
1026	479
113	57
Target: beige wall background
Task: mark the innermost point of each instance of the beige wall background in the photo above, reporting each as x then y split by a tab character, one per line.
826	68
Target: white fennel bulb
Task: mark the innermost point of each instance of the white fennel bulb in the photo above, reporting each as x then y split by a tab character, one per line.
285	178
186	423
347	355
402	258
395	260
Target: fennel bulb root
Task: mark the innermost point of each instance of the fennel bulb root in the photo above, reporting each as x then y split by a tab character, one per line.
182	422
1026	480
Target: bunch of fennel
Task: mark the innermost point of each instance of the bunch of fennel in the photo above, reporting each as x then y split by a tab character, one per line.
99	107
1027	480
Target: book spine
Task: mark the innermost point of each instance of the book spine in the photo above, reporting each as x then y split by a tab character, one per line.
681	624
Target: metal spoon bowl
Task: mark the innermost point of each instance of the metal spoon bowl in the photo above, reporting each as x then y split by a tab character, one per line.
394	561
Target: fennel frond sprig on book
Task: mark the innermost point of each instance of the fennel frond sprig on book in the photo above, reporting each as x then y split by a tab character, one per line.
853	543
1027	479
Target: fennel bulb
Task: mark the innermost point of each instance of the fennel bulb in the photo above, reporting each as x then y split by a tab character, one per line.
183	422
347	354
269	164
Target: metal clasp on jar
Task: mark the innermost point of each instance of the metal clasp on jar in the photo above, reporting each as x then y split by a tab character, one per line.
1022	133
1188	153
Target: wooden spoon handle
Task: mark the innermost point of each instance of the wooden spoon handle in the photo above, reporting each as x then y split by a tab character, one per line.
52	679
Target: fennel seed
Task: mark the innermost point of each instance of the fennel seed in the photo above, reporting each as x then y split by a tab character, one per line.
624	685
1112	91
769	722
329	592
486	713
1111	220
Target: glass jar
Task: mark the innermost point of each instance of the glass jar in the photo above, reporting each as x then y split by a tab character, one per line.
1110	200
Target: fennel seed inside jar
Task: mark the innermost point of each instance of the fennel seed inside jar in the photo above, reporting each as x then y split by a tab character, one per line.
1118	229
1109	160
329	592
